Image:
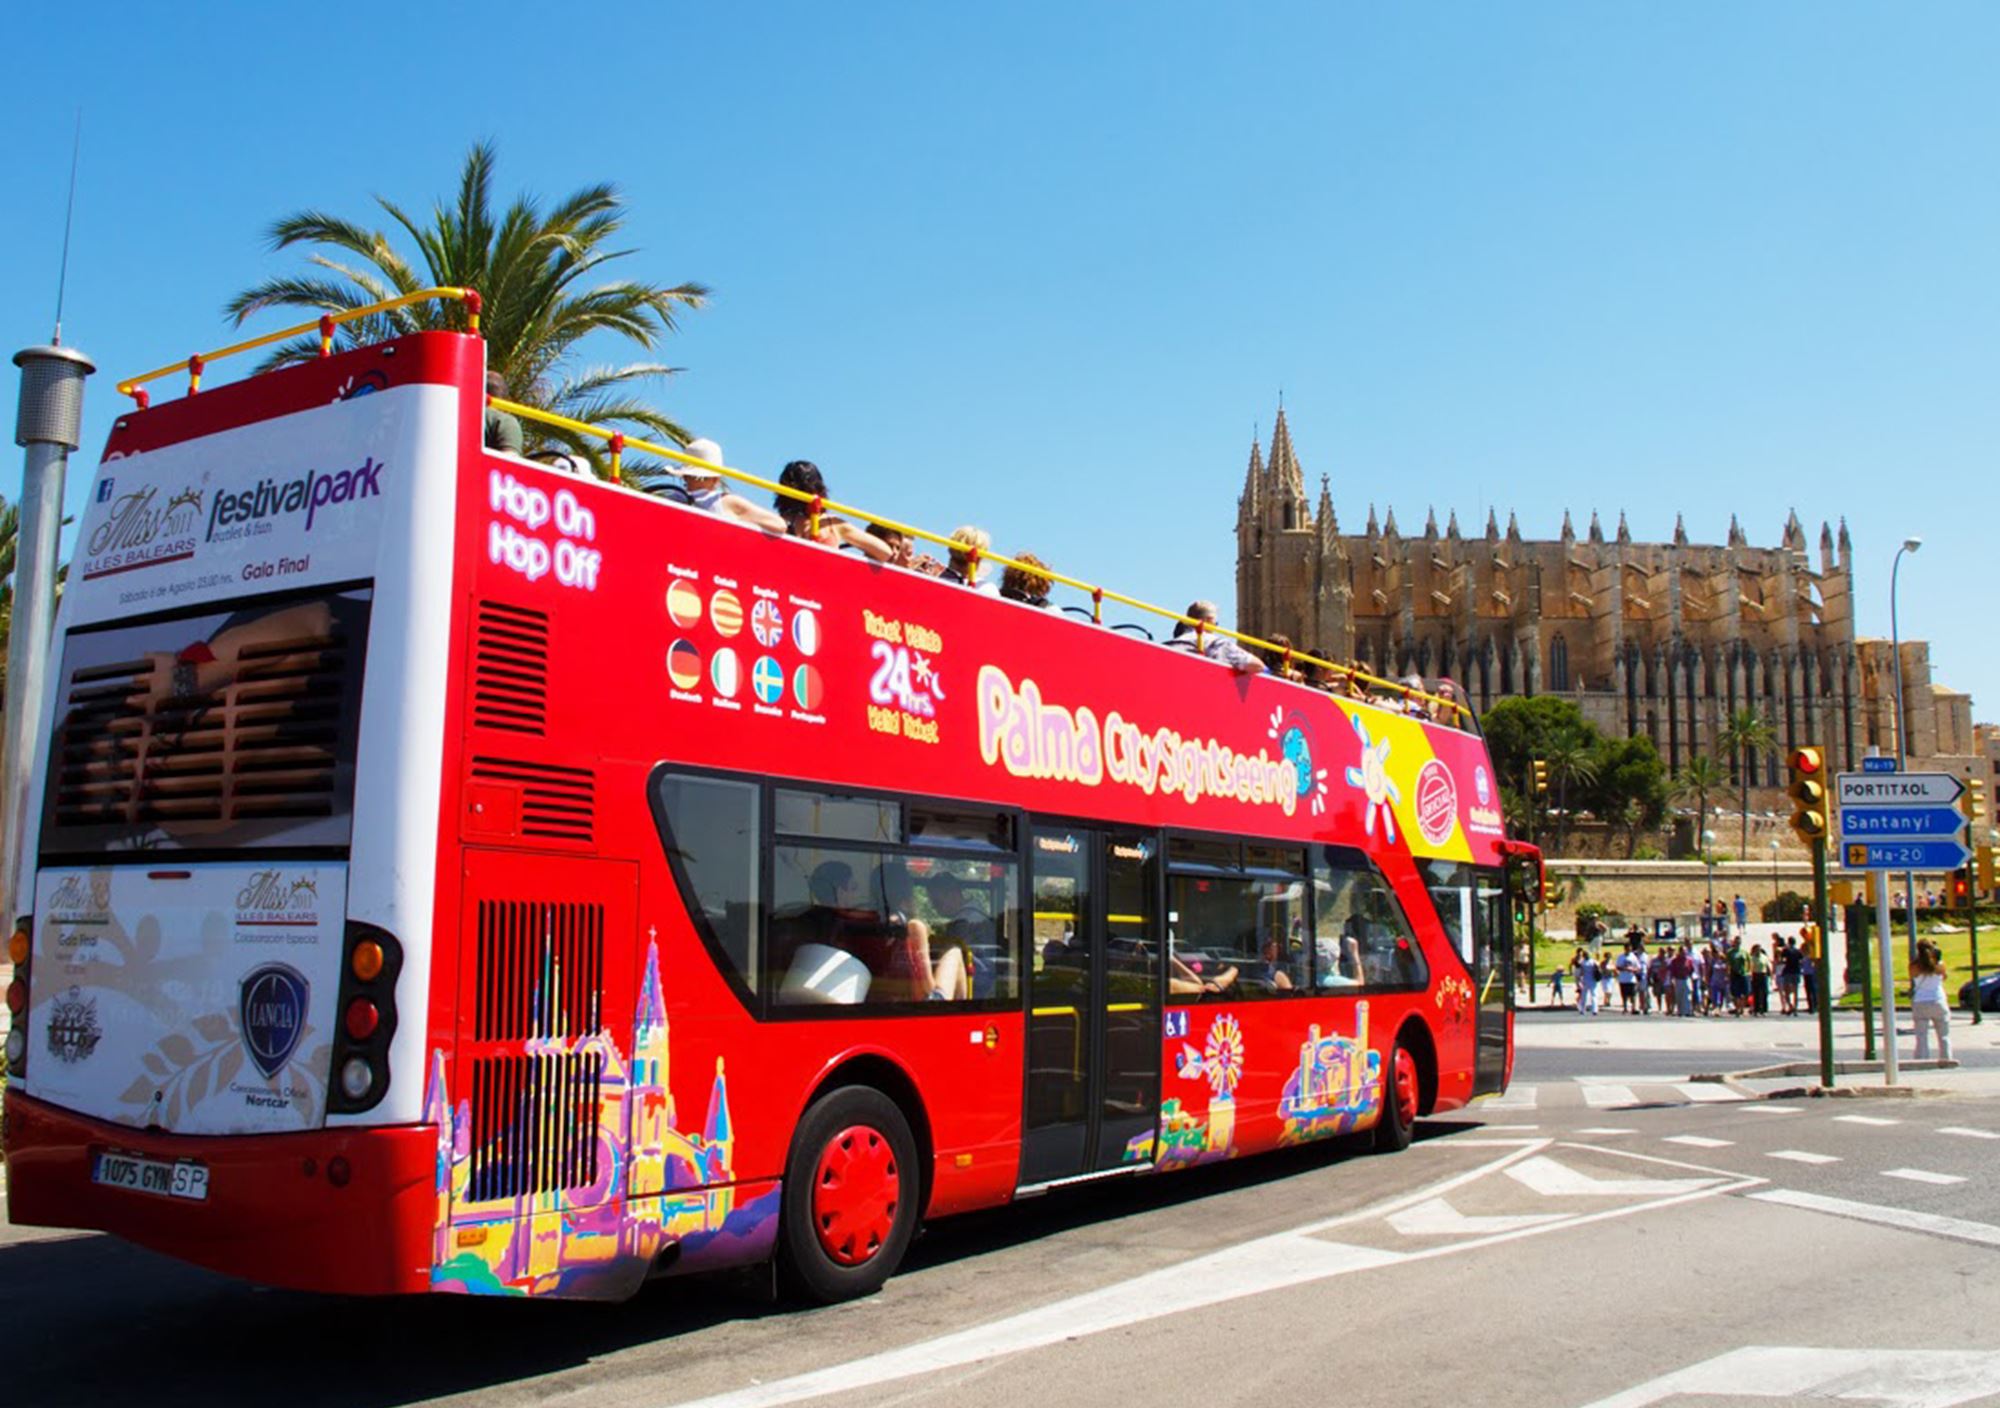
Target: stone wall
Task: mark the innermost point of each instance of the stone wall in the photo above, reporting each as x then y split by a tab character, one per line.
1659	889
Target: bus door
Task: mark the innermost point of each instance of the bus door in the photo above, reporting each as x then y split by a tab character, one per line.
1093	1080
1492	979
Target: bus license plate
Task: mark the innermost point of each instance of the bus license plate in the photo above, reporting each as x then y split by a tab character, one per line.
184	1179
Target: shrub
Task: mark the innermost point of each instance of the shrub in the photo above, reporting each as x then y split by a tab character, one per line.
1787	907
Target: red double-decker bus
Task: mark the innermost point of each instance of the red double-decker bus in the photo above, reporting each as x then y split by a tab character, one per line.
455	874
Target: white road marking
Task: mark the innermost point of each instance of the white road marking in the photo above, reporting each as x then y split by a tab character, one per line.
1605	1129
1437	1218
1707	1092
1921	1175
1864	1119
1510	1128
1802	1156
1698	1141
1764	1107
1894	1378
1521	1097
1269	1263
1965	1133
1554	1180
1604	1097
1981	1232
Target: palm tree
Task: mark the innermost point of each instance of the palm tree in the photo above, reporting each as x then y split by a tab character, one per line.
1747	734
1569	762
538	272
1700	779
10	534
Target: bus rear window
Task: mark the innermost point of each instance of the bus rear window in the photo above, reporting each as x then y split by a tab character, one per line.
209	729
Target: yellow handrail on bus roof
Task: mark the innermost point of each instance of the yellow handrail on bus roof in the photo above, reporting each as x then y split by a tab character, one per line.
1098	595
618	442
323	325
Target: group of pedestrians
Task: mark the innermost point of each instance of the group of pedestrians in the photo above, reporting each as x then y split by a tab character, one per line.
1679	980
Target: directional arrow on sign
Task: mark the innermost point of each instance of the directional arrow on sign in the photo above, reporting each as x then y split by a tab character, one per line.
1891	789
1901	823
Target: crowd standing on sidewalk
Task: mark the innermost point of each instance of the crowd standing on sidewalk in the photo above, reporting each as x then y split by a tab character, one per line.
1725	976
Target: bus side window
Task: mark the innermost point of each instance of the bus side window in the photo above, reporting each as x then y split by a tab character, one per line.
1360	916
711	831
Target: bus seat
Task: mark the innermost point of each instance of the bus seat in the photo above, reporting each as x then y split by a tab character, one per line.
822	974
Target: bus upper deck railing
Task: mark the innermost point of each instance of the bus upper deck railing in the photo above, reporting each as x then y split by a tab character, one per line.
1439	707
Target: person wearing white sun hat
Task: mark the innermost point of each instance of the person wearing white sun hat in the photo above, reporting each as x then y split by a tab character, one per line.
705	491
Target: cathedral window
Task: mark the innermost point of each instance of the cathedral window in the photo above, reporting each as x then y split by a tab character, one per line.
1558	663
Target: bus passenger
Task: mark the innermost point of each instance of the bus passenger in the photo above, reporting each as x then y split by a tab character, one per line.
1024	584
1278	660
1183	981
705	491
1218	647
965	564
968	926
502	428
903	552
804	477
1276	969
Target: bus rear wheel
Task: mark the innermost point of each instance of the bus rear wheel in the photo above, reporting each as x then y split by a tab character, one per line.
850	1200
1400	1098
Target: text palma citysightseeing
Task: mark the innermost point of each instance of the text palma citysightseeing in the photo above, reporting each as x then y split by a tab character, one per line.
1031	738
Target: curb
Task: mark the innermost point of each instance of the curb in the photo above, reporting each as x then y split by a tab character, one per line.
1734	1081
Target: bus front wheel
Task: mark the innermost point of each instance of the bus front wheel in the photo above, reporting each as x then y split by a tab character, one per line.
1402	1093
850	1199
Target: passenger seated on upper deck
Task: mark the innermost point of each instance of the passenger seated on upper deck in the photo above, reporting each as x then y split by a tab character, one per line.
705	491
1448	694
1413	687
1275	659
1218	647
1024	584
804	476
966	562
903	551
503	429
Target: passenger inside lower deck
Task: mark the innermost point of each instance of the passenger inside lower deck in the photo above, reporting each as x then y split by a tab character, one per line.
872	920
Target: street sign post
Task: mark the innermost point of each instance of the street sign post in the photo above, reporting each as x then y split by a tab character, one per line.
1878	764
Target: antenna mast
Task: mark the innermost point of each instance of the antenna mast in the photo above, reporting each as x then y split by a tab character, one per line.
69	219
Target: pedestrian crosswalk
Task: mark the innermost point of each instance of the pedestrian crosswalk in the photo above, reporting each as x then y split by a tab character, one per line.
1614	1093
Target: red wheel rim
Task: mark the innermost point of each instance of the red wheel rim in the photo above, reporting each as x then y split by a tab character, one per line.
1406	1088
856	1191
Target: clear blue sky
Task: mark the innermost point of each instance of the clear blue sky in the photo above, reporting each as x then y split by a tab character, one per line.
1043	267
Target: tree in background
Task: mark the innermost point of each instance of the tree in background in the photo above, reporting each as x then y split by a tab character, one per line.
1630	790
540	272
1519	730
1701	778
1620	781
1747	734
1572	767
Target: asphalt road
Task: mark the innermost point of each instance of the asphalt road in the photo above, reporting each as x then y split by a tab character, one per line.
1550	1256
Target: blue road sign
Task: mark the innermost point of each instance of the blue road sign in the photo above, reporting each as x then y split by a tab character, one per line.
1903	855
1901	823
1878	764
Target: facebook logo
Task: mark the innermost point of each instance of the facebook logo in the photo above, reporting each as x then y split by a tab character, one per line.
104	489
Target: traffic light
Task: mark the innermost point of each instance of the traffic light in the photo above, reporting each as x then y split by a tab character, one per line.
1808	794
1983	868
1972	801
1961	888
1538	776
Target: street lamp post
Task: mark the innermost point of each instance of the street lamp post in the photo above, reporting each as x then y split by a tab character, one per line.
1902	752
1774	870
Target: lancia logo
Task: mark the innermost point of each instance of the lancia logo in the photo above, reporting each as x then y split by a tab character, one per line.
273	1008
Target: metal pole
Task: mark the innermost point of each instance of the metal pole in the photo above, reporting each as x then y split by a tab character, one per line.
1972	924
1888	979
1857	935
1825	995
1902	752
47	424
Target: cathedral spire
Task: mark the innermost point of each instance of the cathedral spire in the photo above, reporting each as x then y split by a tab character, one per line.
1825	535
1253	485
1431	522
1624	533
1329	522
1375	529
1513	527
1569	529
1596	529
1680	531
1492	527
1795	533
1389	524
1286	476
1736	537
1451	526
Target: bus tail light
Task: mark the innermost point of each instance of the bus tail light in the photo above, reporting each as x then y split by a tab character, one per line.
367	1005
20	950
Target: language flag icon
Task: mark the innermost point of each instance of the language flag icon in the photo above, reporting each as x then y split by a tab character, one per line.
725	612
684	604
725	673
684	665
767	677
807	687
767	623
805	631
